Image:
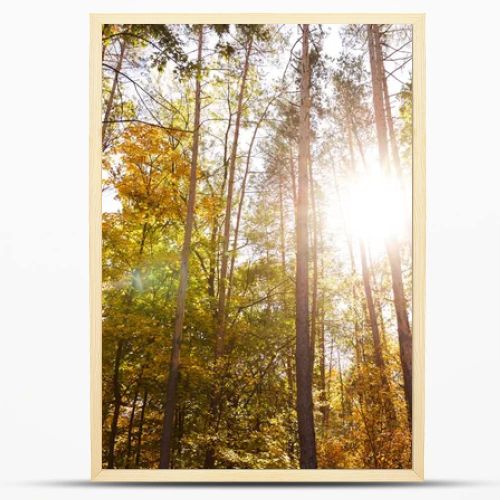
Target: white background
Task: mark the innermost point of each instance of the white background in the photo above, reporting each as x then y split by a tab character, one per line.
44	442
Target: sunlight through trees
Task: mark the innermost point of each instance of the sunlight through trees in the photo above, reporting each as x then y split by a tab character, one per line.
257	253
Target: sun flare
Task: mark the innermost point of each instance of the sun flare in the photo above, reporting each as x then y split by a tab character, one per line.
373	208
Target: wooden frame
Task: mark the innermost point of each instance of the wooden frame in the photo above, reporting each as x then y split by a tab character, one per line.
320	475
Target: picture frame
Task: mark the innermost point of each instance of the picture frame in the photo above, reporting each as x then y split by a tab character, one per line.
416	473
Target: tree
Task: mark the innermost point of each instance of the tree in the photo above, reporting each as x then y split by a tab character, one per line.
393	251
305	416
221	310
166	442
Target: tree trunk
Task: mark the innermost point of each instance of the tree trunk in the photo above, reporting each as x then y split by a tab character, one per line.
141	427
282	240
314	302
342	390
221	312
322	366
293	180
404	331
370	304
215	230
166	440
372	315
220	327
288	356
378	100
377	342
130	429
396	162
392	245
379	360
305	415
111	98
241	202
378	300
179	420
118	401
354	294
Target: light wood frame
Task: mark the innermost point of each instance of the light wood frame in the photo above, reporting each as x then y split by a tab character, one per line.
275	475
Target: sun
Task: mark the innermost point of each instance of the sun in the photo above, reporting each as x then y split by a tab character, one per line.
375	208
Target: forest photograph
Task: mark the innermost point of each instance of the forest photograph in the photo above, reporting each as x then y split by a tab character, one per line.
257	269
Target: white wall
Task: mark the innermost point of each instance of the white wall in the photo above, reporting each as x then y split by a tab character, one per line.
44	443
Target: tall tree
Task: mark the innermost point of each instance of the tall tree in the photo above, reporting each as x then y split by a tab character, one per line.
305	416
173	376
392	245
223	285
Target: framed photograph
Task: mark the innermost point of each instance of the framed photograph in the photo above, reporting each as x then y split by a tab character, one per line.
257	247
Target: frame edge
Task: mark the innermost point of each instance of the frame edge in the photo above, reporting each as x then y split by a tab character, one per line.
95	243
416	474
419	245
